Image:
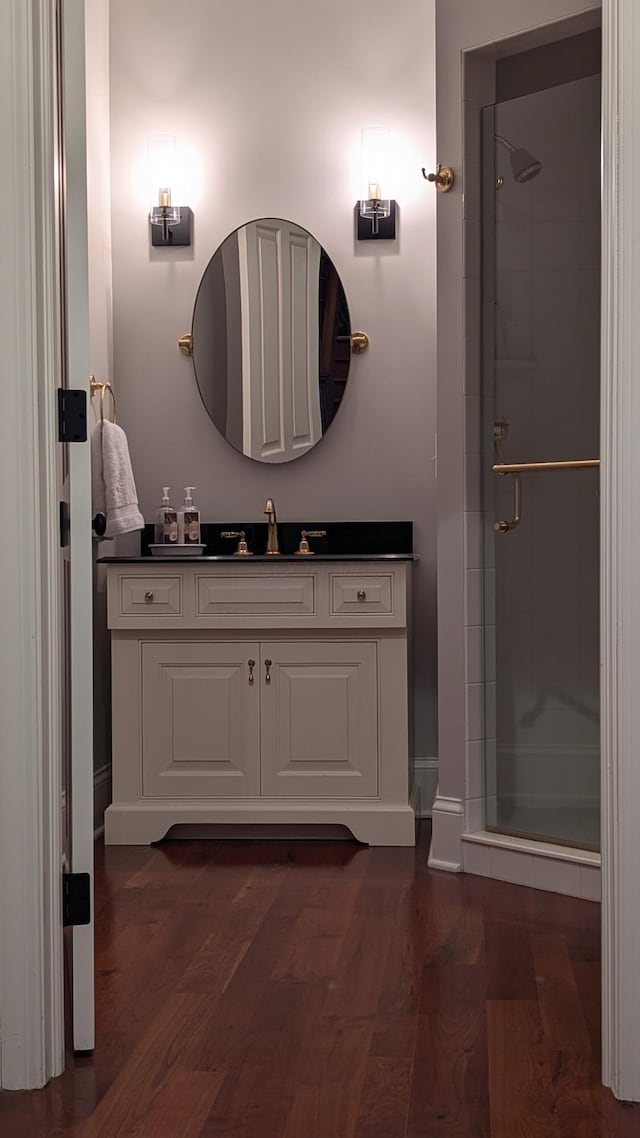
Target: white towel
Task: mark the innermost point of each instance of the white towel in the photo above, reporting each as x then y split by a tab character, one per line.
113	487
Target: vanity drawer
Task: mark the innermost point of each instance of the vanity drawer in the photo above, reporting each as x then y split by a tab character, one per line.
150	596
244	595
361	594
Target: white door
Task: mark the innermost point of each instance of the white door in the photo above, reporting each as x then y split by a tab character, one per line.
76	576
200	720
319	719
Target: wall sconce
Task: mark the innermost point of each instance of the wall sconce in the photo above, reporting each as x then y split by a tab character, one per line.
376	214
170	224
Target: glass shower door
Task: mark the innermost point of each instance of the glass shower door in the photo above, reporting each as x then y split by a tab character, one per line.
541	406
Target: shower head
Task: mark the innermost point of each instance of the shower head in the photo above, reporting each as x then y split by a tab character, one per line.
524	166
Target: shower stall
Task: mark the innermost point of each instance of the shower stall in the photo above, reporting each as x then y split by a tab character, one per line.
540	402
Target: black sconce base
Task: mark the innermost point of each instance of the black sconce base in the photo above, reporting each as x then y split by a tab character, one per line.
179	234
386	226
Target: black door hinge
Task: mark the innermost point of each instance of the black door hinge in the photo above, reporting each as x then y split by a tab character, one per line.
72	415
65	525
76	899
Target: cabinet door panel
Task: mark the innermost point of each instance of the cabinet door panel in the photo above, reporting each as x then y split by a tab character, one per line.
200	720
320	720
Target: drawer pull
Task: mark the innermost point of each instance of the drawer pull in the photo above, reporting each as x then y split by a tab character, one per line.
252	665
148	598
362	596
267	678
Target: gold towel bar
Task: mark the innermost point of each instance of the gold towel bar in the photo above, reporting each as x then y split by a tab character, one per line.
522	467
96	386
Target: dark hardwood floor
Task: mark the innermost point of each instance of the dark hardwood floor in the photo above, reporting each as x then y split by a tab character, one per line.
283	990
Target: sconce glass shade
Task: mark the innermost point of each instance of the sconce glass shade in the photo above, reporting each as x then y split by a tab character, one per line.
162	174
374	204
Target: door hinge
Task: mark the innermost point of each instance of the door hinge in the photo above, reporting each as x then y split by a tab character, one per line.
65	524
72	415
76	899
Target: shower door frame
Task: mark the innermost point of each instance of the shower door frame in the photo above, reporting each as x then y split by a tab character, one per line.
463	32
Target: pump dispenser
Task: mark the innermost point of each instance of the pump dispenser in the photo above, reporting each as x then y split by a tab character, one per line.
166	529
189	519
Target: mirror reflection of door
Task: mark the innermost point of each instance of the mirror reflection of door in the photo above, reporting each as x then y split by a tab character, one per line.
279	289
271	340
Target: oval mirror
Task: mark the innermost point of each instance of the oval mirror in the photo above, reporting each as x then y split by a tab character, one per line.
271	340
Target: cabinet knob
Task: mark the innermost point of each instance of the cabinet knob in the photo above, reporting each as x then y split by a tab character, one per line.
267	665
148	598
362	596
252	665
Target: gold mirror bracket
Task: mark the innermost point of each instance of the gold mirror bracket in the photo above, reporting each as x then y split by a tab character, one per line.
359	343
443	178
185	344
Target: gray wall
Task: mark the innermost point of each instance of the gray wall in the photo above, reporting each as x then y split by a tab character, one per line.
270	101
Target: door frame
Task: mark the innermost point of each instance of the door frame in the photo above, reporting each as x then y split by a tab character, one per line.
31	954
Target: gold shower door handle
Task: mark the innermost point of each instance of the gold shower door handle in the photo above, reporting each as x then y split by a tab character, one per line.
516	469
505	526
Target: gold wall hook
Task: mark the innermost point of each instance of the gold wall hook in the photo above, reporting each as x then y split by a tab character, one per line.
359	343
185	343
443	178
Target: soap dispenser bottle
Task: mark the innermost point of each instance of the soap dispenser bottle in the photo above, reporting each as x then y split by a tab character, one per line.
189	519
166	529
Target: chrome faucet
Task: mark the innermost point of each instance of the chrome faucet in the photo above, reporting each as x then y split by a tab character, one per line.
272	529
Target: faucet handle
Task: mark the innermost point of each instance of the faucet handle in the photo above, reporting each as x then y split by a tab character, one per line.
303	549
243	549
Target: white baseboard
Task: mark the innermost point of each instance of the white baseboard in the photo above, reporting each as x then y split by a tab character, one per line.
446	836
426	780
101	797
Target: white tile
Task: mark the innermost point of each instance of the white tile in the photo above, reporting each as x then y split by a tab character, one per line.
489	596
477	859
472	131
474	711
474	653
473	596
472	424
472	382
475	749
474	813
471	248
556	876
490	695
590	883
472	482
472	296
473	552
490	654
471	204
509	865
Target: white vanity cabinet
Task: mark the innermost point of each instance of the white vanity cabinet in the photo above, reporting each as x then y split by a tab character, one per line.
250	693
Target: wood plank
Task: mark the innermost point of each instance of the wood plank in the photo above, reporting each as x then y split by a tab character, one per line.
449	1088
384	1104
521	1093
